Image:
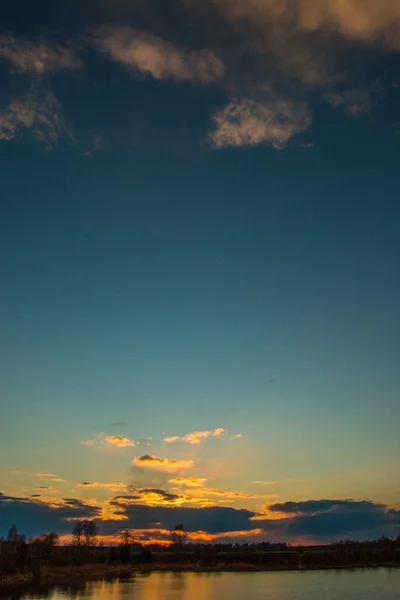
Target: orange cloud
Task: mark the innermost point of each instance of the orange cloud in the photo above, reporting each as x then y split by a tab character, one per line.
261	482
162	464
188	481
195	437
121	442
50	476
99	441
159	497
230	495
219	431
137	50
366	20
203	536
115	487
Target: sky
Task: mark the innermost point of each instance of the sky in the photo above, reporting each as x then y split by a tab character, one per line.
199	250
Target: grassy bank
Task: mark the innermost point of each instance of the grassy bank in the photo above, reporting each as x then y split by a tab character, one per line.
52	575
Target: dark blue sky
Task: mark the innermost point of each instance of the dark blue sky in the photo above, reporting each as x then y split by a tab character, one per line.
200	229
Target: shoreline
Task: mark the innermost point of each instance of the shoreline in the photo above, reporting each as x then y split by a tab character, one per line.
75	575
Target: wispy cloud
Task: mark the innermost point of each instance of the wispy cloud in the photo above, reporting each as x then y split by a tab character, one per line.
196	437
191	438
147	53
229	495
97	145
188	481
101	441
115	487
39	56
162	464
40	114
249	123
275	482
120	441
50	476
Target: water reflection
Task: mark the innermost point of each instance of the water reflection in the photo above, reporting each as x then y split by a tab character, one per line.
366	584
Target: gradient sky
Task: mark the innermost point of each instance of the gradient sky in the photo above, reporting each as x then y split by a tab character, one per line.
199	232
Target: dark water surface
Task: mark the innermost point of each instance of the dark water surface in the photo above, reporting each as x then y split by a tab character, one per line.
363	584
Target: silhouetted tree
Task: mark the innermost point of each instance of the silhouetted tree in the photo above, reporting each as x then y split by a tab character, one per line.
90	532
12	536
77	533
179	536
126	537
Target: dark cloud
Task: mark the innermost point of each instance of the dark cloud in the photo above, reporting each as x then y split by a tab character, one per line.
321	520
327	520
33	516
212	520
317	506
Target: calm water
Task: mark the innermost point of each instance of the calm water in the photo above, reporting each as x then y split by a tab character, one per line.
374	584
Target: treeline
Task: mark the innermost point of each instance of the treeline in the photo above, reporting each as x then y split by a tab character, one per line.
21	555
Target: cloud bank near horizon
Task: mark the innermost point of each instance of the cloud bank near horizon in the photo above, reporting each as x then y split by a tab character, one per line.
317	520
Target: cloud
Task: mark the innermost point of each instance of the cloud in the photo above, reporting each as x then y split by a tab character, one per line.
158	497
191	438
219	431
333	519
364	21
261	482
96	442
152	509
121	442
100	440
313	507
115	487
39	113
196	437
51	476
162	464
188	481
34	516
355	102
149	54
250	123
97	145
38	57
213	519
286	480
231	495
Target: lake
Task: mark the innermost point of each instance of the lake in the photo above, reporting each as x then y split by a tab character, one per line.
363	584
